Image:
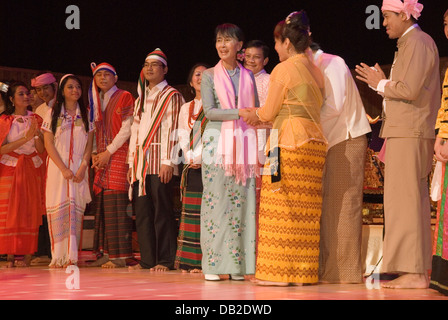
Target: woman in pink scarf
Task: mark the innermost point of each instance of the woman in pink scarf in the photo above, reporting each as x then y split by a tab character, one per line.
229	163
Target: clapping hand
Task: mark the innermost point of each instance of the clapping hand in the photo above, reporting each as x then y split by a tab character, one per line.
370	75
33	130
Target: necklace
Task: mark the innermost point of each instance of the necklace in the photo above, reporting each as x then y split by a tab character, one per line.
232	72
192	116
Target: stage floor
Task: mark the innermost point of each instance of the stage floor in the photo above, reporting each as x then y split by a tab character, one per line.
42	283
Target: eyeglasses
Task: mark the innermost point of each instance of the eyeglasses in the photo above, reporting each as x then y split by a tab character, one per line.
152	65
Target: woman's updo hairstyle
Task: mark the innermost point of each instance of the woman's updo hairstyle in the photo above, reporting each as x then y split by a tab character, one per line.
297	30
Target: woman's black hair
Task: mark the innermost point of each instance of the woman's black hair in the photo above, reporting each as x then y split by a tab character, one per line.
9	106
297	30
60	101
231	30
191	73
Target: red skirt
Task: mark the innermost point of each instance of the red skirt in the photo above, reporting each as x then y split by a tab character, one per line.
21	205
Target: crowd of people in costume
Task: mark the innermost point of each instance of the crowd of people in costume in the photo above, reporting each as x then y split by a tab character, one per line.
271	166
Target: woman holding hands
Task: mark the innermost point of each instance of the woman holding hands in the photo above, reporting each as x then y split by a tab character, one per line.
228	163
291	200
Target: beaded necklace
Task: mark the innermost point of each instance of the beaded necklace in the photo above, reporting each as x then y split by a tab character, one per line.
192	116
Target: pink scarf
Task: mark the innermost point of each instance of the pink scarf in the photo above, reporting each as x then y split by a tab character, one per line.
409	7
236	153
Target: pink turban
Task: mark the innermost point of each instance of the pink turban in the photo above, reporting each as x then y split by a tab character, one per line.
43	79
409	7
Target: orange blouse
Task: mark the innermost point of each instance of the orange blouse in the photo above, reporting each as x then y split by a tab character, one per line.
293	104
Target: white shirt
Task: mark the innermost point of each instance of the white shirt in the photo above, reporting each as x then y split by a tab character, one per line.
262	83
194	156
42	110
342	114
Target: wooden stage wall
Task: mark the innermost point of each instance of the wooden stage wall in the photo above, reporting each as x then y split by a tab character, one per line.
372	101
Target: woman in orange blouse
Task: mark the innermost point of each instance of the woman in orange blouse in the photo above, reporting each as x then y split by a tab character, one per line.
290	203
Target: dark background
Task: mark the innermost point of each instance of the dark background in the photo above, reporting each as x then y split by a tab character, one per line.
33	35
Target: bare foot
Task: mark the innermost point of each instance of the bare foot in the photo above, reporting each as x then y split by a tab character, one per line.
135	267
195	271
21	264
184	271
109	265
40	260
100	261
159	268
10	261
269	283
25	263
408	281
112	264
70	263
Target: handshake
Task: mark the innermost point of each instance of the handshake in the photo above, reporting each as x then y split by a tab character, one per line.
249	115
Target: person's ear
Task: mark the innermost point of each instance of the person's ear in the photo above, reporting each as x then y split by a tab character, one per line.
265	61
240	45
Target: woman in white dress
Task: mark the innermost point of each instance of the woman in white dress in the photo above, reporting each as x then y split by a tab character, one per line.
68	136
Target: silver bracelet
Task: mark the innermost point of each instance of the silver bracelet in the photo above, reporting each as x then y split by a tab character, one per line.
256	112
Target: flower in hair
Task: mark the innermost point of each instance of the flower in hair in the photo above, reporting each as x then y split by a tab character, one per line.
241	55
3	87
288	18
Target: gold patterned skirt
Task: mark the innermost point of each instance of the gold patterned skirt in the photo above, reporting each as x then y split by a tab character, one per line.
289	217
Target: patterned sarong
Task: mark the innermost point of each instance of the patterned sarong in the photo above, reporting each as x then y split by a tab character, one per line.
189	254
439	273
113	225
290	209
341	222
